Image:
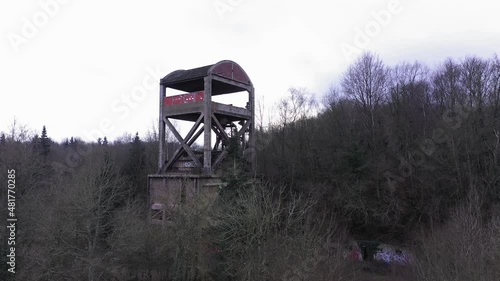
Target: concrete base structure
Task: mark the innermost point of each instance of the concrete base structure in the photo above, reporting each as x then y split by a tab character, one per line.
167	191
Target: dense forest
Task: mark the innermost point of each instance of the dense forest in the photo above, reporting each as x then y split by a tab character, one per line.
403	154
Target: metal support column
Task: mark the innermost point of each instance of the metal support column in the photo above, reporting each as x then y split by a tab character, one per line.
161	129
207	121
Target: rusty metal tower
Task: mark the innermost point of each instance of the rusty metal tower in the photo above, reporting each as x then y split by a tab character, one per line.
187	171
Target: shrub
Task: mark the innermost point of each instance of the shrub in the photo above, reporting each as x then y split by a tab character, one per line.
266	234
466	248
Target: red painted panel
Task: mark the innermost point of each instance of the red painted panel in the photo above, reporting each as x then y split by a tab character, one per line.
188	98
184	98
167	101
231	71
200	96
224	69
178	99
240	75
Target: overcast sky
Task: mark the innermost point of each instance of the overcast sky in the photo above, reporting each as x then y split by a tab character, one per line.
88	67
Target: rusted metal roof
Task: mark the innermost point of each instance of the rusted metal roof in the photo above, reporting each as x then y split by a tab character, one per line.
186	75
192	80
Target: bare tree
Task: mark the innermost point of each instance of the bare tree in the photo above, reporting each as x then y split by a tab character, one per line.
446	83
366	82
474	80
405	78
331	98
410	99
297	105
294	111
494	85
19	132
409	73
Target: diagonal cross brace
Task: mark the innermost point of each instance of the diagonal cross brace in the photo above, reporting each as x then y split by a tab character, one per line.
184	142
222	131
177	152
243	128
238	134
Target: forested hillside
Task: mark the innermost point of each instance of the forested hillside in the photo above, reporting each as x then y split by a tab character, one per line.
392	148
404	154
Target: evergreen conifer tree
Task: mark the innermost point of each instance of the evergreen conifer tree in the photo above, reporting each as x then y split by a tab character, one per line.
44	143
135	164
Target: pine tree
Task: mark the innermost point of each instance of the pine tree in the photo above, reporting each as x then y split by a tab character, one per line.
2	146
233	170
44	143
134	167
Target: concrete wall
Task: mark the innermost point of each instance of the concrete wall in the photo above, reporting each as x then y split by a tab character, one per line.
170	191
